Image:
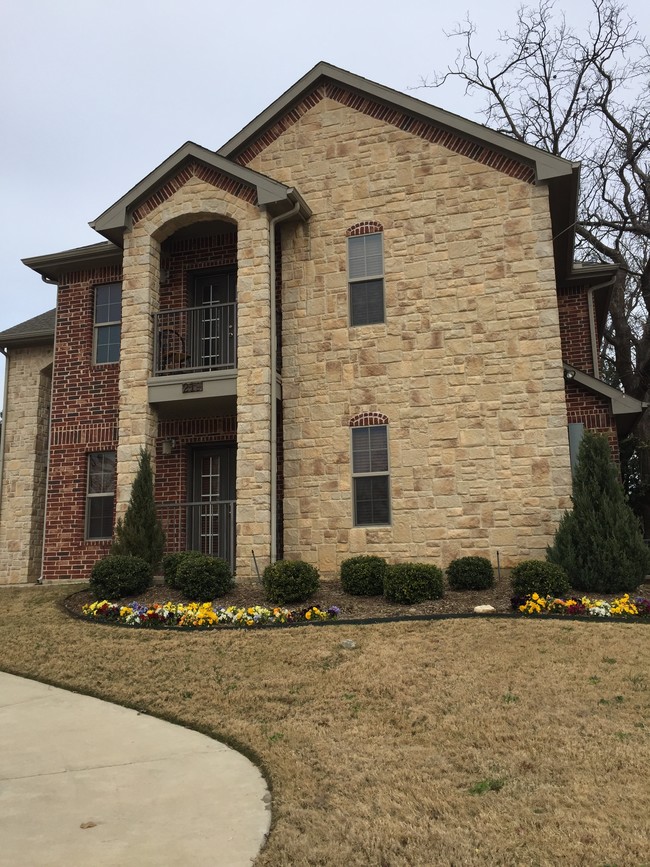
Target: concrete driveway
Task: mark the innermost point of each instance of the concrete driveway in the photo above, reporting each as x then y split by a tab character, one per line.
84	782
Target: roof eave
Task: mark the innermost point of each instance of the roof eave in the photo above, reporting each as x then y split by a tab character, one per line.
53	265
546	165
113	221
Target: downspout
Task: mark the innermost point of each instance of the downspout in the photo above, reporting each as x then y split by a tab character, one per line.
592	323
49	426
274	379
4	419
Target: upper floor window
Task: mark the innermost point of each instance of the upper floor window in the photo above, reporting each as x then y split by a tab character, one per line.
100	495
366	278
108	315
370	475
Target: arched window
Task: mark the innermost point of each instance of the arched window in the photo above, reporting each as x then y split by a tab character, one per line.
366	273
370	469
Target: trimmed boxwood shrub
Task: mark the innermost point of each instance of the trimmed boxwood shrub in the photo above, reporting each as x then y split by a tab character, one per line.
363	576
539	576
120	575
412	582
170	564
201	578
470	573
290	581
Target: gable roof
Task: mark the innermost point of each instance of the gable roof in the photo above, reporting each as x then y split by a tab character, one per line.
561	176
271	194
52	265
546	165
39	329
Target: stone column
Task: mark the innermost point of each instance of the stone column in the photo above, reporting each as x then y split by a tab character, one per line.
137	419
253	396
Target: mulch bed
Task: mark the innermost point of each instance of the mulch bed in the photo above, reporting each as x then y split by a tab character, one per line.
352	607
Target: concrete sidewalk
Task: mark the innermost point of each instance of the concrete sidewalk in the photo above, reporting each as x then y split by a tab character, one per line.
84	782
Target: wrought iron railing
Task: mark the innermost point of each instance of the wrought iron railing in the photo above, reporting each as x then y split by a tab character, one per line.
195	339
207	526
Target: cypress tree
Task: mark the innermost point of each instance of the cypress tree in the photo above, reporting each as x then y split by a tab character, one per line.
600	544
140	534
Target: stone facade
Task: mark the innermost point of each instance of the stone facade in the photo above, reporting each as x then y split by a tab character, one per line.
467	366
24	468
465	372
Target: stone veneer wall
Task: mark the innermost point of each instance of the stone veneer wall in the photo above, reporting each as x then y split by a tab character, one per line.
26	423
196	196
467	366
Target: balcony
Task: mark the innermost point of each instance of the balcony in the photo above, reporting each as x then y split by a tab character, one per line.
206	526
195	358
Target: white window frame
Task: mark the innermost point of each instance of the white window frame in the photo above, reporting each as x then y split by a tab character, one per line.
369	276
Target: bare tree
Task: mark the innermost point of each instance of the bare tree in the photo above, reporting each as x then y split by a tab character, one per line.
584	96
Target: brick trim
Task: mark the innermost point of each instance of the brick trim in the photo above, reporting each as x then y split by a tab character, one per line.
367	419
204	173
395	117
368	227
97	435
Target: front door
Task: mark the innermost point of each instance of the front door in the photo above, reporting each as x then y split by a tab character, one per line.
213	502
214	298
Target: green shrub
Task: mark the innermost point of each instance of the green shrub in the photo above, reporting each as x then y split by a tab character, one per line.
290	581
600	544
170	565
363	576
140	533
412	582
119	575
539	576
470	573
202	578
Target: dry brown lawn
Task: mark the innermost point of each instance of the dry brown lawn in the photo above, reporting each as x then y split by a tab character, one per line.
451	742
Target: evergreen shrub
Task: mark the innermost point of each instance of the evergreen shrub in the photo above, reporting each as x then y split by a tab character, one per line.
202	578
120	575
412	582
539	576
170	563
363	576
470	573
290	581
140	533
600	544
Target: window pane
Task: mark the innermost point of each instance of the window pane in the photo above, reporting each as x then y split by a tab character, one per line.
108	303
371	500
107	348
101	473
365	256
367	302
100	517
370	449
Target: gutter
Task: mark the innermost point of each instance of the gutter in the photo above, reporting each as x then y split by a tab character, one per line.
592	321
295	211
4	420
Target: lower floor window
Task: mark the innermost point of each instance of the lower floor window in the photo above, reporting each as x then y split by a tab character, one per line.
370	475
100	495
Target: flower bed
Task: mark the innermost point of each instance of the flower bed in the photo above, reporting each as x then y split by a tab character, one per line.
574	607
194	614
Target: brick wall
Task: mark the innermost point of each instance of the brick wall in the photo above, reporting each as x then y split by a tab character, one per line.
575	329
84	420
594	412
180	256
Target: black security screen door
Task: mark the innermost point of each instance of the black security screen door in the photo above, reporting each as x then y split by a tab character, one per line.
214	340
213	502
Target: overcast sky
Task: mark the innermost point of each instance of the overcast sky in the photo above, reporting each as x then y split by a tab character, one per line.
94	95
